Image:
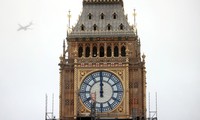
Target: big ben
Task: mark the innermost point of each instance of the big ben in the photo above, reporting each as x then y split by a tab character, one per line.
101	56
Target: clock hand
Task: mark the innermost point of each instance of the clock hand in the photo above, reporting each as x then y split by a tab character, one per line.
101	85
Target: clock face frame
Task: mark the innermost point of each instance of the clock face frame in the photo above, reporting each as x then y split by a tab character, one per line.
108	88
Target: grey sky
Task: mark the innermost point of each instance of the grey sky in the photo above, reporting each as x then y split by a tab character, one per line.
170	38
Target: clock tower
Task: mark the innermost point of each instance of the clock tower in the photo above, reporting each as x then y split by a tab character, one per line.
102	58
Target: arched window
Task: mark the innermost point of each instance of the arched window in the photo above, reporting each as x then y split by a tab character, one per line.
116	51
114	16
80	52
94	51
89	16
109	51
123	51
102	16
121	26
82	27
109	27
101	51
87	50
95	27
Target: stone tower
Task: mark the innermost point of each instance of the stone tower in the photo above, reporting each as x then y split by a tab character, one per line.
102	58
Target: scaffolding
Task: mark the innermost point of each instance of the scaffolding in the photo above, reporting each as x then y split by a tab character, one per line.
153	114
49	115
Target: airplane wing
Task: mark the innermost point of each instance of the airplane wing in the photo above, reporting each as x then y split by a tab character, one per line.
20	25
19	29
29	24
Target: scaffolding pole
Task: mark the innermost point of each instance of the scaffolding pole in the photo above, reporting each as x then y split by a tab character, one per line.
49	115
153	115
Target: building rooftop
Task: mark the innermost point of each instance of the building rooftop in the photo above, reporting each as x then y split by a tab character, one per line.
102	1
102	18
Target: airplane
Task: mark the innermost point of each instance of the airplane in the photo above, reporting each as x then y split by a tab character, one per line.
25	27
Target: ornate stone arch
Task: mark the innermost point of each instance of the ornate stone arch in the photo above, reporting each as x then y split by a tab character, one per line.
116	50
94	50
87	50
80	50
101	50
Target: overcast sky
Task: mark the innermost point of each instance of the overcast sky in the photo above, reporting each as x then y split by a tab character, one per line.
170	38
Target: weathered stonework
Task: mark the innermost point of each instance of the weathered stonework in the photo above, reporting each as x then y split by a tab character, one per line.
102	40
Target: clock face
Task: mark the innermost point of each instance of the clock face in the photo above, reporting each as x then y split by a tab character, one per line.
108	89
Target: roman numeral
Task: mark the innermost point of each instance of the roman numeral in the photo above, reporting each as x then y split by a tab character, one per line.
84	91
109	78
117	91
115	84
101	106
115	99
87	84
87	99
110	105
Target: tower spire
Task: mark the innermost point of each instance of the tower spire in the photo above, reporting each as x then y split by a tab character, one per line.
63	48
134	15
69	18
